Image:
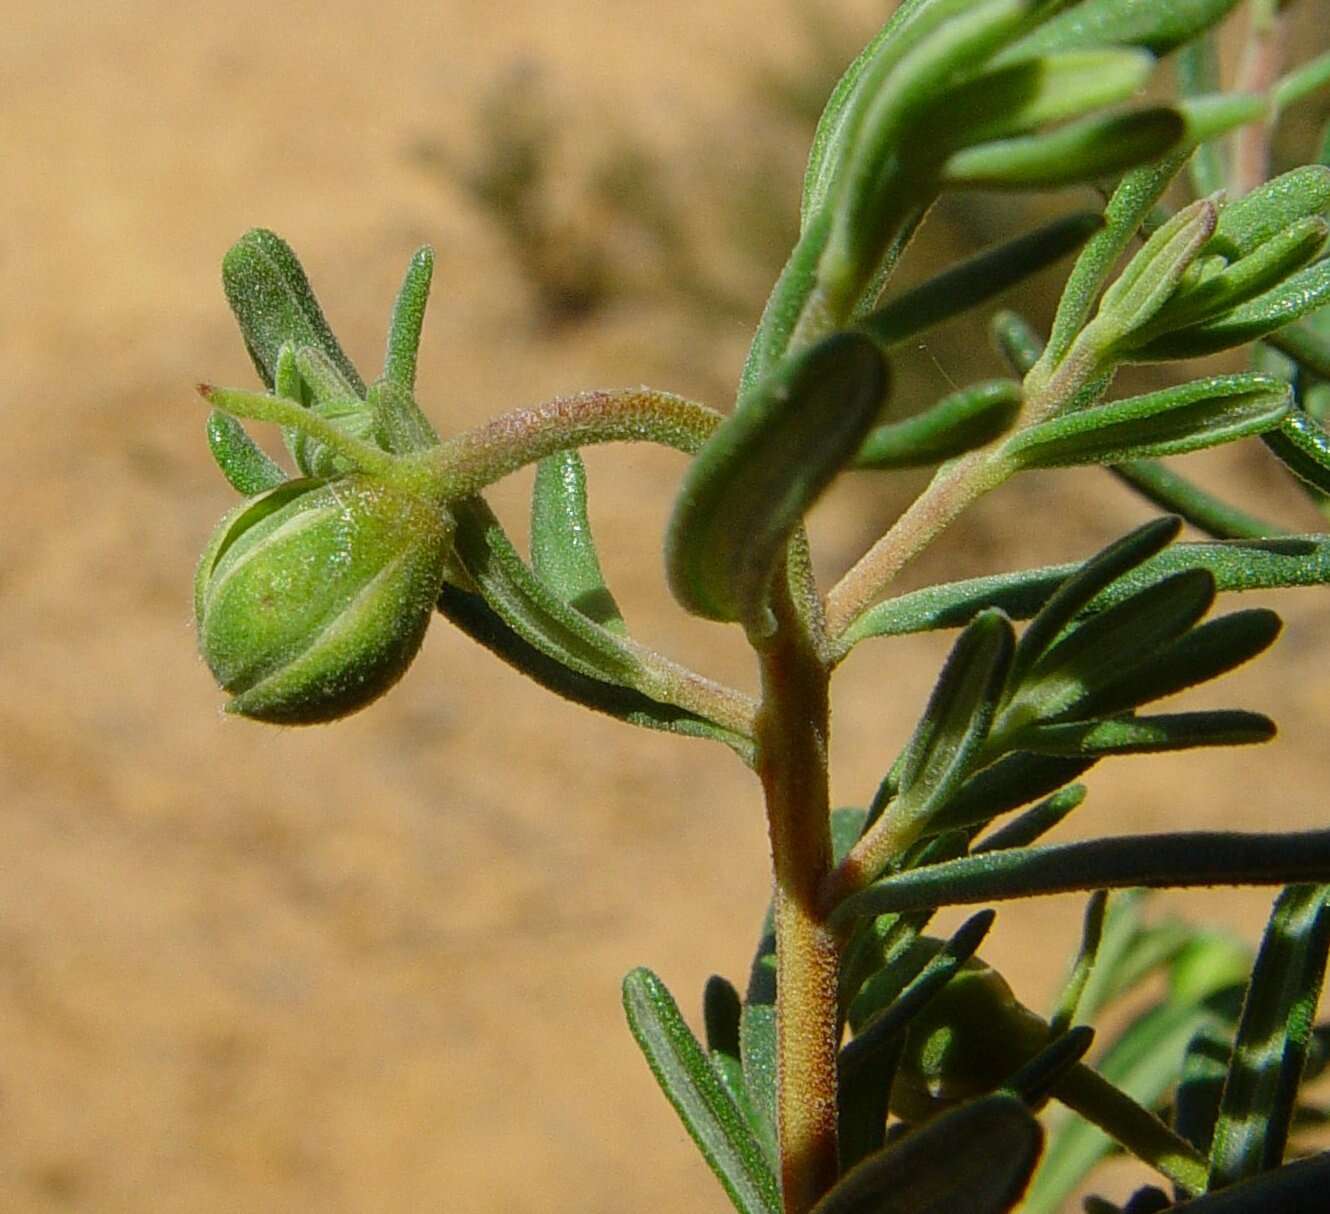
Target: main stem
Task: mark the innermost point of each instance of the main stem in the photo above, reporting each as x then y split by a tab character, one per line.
791	731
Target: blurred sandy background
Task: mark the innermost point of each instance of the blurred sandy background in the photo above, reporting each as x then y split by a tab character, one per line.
375	967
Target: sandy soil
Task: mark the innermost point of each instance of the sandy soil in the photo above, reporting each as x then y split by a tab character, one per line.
375	967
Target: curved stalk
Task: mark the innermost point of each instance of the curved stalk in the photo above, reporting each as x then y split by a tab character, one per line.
469	462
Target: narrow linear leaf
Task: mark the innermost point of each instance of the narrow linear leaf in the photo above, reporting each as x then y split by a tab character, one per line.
1033	823
1306	344
955	724
1299	560
686	1077
1016	341
1270	1048
871	202
1132	201
758	1050
1173	421
1202	654
1011	782
244	464
1296	1188
1079	151
1248	222
1141	1063
1035	1082
1303	446
1157	27
474	617
1153	276
563	552
274	304
1181	860
958	423
1150	735
924	1173
408	318
1083	586
1302	82
1017	98
721	1008
1204	1068
867	1063
911	21
1090	657
400	426
530	607
977	280
1092	932
751	484
1295	297
1260	271
1169	491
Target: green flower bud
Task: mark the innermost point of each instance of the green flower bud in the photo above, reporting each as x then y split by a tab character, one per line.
312	599
970	1038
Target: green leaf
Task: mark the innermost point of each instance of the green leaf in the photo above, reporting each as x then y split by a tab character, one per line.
1033	823
1091	656
1146	23
978	279
1017	98
955	724
563	552
686	1077
721	1008
1083	150
871	198
1166	489
1173	421
1142	1062
1262	269
839	123
530	607
1270	1048
1259	216
399	361
1307	345
924	1173
1303	446
1035	1082
1092	931
473	616
1081	589
1295	297
275	306
1179	860
399	424
1204	1067
1016	341
758	1049
867	1064
1154	274
1296	1188
1302	82
1011	782
751	484
243	463
1202	654
958	423
1300	560
1128	208
1150	735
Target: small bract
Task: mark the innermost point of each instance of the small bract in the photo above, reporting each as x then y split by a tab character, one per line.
312	599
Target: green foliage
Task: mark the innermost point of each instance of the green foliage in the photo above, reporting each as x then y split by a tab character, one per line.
868	1067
